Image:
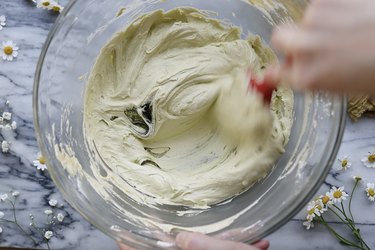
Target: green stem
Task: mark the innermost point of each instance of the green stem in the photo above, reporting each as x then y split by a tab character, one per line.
343	210
338	208
41	233
48	245
355	232
350	200
339	237
345	222
5	220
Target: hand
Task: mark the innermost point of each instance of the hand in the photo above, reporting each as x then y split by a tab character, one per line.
333	48
197	241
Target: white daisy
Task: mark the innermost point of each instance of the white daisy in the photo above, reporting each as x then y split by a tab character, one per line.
2	21
370	191
344	163
60	217
326	200
3	197
311	211
308	224
369	160
9	50
40	163
45	4
320	207
56	7
52	202
337	195
48	235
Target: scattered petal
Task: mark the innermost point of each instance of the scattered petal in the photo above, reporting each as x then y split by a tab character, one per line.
1	215
1	230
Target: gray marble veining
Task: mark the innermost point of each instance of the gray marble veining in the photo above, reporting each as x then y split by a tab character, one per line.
28	27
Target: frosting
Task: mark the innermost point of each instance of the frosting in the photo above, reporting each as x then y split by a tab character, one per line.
168	110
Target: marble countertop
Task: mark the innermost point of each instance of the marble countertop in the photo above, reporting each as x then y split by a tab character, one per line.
28	27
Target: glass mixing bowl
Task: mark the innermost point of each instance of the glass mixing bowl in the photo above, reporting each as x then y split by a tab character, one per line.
67	57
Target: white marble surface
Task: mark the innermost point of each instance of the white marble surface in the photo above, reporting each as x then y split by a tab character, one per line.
28	27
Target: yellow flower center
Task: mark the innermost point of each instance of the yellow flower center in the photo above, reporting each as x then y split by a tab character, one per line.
56	8
311	211
344	163
325	199
371	192
46	3
371	158
42	160
8	50
337	194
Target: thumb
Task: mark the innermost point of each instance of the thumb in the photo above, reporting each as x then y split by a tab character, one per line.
197	241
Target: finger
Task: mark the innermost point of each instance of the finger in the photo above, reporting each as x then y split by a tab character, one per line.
284	39
124	247
197	241
272	75
296	41
262	244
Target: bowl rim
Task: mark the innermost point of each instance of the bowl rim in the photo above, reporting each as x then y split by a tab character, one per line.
285	215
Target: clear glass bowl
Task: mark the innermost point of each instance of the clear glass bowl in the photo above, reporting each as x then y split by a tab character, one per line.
67	57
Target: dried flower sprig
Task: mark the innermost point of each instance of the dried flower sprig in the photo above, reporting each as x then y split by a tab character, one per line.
6	123
45	232
332	202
